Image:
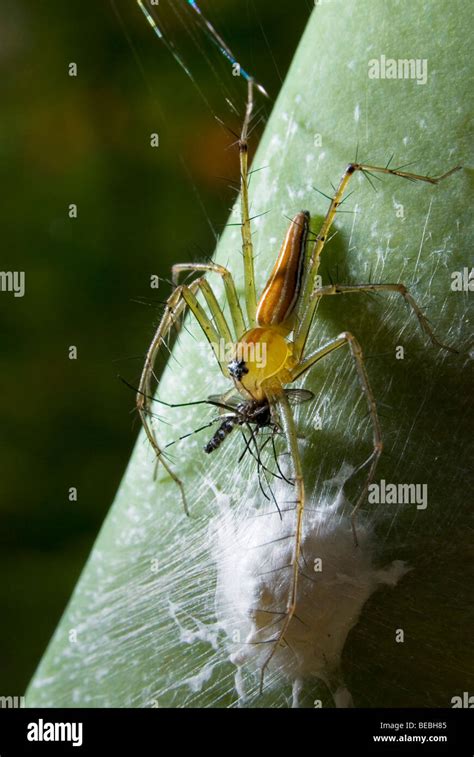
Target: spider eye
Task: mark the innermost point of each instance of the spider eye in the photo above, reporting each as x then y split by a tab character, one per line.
237	368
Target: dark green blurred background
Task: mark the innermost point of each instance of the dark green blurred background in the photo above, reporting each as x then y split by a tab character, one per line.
85	140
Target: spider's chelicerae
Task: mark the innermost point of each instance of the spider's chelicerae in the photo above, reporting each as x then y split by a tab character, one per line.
277	326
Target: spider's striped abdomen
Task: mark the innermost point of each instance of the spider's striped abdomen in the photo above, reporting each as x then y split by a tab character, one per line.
277	303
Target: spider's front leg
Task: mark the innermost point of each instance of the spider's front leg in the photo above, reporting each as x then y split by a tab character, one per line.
229	286
182	297
346	338
287	421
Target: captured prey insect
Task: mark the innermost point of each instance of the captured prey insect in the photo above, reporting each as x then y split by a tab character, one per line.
237	412
278	325
246	412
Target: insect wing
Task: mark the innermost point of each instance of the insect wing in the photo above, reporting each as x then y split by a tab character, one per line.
226	403
298	396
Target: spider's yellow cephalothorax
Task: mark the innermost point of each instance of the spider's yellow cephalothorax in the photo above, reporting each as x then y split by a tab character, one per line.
270	341
262	363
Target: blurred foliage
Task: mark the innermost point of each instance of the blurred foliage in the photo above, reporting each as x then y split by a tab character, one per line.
85	140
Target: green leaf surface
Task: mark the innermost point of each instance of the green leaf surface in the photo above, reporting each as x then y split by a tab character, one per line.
140	629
